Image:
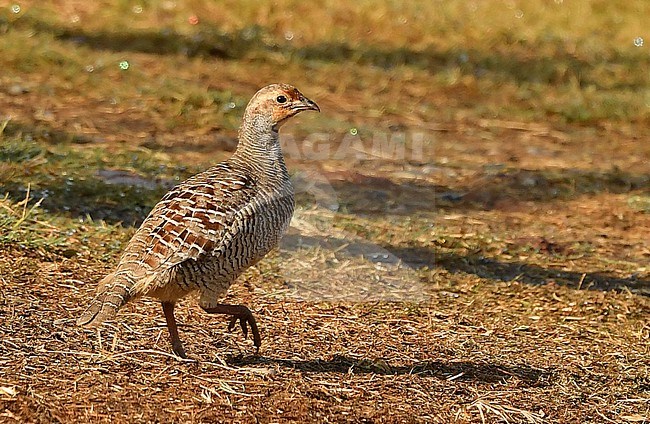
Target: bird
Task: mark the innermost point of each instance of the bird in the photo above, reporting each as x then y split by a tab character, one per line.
210	228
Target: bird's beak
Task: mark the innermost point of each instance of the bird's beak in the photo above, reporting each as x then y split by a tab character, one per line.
305	104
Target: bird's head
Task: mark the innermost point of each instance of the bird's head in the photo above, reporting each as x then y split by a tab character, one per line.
274	104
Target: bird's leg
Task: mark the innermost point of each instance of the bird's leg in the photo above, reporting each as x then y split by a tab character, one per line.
242	314
177	345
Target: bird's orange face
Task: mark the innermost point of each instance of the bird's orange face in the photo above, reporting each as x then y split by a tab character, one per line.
280	102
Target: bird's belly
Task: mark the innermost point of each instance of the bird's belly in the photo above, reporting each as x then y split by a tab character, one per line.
170	292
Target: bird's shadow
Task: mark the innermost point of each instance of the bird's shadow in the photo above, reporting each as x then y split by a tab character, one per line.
452	371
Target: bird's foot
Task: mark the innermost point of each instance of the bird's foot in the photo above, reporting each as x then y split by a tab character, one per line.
179	351
242	314
245	319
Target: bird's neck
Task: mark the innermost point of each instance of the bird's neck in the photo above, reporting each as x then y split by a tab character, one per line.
259	148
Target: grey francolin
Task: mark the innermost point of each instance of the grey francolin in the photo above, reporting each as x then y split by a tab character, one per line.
206	231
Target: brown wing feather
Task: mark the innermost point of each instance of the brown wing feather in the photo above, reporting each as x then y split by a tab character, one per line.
190	221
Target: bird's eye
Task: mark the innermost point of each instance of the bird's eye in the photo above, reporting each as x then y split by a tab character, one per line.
281	99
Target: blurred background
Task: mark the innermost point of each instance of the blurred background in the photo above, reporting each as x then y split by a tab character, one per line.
433	112
470	157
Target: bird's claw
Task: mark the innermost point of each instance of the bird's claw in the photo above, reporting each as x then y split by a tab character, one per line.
242	324
246	319
179	351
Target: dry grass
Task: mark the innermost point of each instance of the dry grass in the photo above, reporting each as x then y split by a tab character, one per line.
476	350
498	275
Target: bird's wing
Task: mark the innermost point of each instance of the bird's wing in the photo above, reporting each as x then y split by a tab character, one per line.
192	220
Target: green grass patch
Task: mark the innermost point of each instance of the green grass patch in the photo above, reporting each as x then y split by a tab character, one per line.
22	224
119	186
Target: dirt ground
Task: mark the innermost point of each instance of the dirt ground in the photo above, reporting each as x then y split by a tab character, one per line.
546	321
479	349
493	271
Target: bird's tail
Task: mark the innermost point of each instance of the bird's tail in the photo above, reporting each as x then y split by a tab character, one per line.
113	292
